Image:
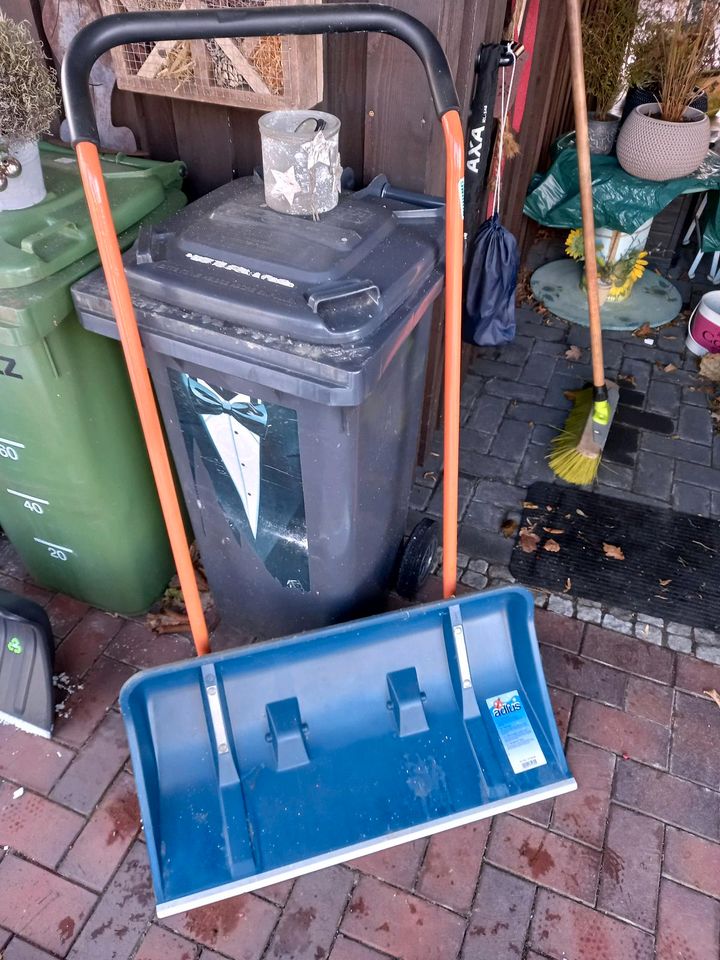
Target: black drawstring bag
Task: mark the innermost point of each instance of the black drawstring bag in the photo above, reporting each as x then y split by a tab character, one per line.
490	281
493	258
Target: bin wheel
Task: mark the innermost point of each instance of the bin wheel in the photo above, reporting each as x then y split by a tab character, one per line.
417	558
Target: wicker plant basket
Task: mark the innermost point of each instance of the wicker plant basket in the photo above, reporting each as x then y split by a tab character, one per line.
262	73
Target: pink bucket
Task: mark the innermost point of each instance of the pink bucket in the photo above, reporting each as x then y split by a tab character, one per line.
703	334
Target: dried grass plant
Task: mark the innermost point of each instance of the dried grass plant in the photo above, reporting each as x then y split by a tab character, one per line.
675	45
607	29
28	89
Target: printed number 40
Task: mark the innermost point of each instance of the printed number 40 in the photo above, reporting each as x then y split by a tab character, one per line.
33	505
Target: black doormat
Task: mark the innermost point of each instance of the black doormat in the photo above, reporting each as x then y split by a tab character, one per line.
656	561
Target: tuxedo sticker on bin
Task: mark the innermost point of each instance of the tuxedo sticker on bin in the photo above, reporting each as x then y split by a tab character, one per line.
251	453
515	731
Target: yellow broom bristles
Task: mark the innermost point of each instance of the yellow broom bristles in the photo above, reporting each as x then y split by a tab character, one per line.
565	459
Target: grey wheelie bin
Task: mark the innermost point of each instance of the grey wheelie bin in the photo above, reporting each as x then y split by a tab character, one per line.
289	357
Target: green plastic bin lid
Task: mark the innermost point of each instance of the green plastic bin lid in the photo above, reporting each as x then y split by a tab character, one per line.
39	241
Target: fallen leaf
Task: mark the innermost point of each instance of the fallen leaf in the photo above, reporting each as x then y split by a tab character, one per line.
552	546
710	367
509	528
568	585
554	533
714	695
429	475
573	353
669	367
613	552
528	540
627	378
530	506
664	583
643	331
570	394
581	513
549	508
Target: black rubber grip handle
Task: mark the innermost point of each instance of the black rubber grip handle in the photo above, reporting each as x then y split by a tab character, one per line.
107	32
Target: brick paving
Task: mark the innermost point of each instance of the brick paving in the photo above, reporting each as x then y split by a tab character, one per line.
626	867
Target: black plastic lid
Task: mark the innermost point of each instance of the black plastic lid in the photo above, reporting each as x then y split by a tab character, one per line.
335	280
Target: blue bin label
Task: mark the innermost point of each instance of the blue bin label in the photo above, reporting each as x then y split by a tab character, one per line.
515	731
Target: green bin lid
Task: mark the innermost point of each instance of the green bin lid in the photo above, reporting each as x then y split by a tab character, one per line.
42	240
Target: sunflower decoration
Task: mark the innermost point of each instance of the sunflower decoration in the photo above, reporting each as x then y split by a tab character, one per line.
618	275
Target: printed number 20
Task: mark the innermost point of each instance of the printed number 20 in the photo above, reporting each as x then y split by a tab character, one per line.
57	554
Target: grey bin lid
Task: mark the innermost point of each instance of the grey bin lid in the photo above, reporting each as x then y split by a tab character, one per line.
331	281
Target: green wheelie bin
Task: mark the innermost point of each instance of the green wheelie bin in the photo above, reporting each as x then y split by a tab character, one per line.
77	498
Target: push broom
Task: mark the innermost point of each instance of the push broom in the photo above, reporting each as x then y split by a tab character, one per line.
576	452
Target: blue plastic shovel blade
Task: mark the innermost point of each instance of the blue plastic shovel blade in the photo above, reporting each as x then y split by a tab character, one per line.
264	763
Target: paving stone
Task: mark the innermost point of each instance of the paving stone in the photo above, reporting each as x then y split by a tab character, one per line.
639	370
536	414
610	622
539	370
64	612
35	827
471	389
42	907
543	435
419	497
694	676
562	606
549	348
22	950
583	677
561	384
277	893
544	858
452	863
474	441
650	700
487	467
345	949
695	396
587	613
87	707
692	861
681	629
653	621
565	930
711	654
32	761
562	704
540	331
518	351
706	636
696	737
466	486
700	476
311	918
535	466
675	447
85	642
559	630
661	795
511	440
478	581
648	633
106	838
409	928
485	515
681	644
496	368
616	476
398	865
510	390
159	944
653	475
238	928
501	916
695	424
479	566
582	814
663	398
480	543
488	413
628	654
631	867
25	588
688	924
621	732
95	767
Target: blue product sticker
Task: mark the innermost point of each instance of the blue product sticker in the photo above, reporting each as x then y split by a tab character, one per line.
515	731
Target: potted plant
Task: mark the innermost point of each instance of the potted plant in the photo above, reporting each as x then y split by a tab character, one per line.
608	29
28	104
670	138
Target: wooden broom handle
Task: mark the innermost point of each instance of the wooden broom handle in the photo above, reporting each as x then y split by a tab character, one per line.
585	178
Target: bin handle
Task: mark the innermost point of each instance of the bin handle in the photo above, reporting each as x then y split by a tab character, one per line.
103	34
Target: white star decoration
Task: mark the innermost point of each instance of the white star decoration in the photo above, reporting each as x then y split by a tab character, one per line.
286	184
319	150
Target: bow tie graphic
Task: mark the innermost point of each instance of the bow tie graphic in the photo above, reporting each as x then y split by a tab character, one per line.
208	401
